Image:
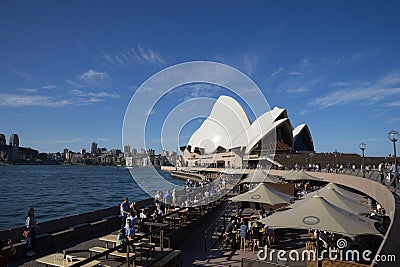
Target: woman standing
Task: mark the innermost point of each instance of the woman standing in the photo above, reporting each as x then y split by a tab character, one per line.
31	226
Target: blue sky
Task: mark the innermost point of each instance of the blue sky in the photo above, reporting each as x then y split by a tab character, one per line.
68	69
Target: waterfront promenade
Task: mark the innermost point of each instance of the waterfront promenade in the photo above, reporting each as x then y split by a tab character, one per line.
193	253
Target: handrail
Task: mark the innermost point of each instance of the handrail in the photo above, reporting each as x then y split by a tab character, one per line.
393	184
217	224
107	252
160	229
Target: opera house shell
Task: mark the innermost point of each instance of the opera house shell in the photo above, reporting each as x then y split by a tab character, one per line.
227	138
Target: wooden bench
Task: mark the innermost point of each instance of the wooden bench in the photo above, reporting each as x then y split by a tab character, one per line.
166	239
114	253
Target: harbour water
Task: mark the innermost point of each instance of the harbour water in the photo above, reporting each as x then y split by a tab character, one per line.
59	190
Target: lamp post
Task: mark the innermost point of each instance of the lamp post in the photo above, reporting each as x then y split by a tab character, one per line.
288	160
394	136
362	147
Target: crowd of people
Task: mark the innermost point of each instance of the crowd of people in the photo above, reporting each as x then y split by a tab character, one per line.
253	232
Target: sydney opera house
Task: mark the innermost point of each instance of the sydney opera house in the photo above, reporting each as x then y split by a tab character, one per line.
227	138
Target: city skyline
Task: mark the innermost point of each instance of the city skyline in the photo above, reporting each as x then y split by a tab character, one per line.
67	80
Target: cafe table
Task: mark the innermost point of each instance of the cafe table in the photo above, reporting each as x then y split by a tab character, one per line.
56	259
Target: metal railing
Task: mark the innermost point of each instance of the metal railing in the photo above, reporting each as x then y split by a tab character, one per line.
392	183
216	230
127	245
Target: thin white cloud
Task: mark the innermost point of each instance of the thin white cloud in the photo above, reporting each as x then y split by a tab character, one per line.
393	120
18	100
305	62
393	104
250	63
30	99
28	90
73	140
94	77
349	84
294	73
358	55
298	86
138	56
23	75
103	139
303	112
386	87
275	73
49	87
151	56
390	79
81	93
340	84
369	95
298	90
74	84
82	98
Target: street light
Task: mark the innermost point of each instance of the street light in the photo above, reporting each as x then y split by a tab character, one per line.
394	136
362	147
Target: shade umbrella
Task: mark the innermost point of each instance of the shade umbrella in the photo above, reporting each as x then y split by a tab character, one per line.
343	191
288	174
337	199
300	176
319	214
263	194
260	176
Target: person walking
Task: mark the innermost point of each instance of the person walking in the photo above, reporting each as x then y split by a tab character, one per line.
31	226
125	210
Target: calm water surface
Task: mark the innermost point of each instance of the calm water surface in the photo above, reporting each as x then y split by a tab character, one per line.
58	191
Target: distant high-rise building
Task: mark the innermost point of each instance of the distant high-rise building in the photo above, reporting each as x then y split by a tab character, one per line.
127	150
2	140
14	140
93	148
151	152
134	152
83	151
65	153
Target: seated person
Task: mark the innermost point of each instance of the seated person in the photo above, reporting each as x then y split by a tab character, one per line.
122	239
129	229
6	254
132	218
158	212
143	214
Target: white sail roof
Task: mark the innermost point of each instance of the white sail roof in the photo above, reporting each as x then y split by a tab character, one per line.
229	127
225	123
